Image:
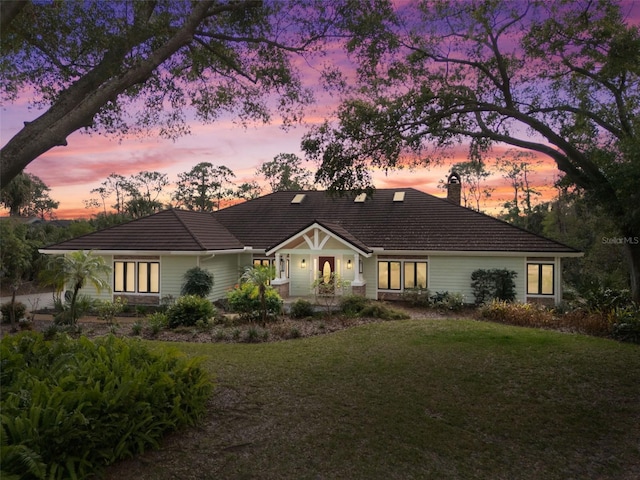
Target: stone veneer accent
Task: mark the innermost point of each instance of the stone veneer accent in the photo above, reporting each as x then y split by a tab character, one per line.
139	299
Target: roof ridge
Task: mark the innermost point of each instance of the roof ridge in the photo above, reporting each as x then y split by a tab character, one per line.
193	235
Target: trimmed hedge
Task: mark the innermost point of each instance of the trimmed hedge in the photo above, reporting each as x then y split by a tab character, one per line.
69	407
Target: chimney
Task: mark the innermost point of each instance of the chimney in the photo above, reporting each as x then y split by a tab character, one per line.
454	188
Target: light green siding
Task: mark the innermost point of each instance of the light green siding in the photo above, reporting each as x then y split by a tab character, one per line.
226	272
172	270
453	274
90	290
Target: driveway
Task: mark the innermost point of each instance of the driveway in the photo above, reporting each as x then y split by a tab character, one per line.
33	301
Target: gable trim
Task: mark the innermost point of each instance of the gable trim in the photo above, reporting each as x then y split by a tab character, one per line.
314	242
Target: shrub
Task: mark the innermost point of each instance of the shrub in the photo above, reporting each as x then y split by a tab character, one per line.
417	297
157	321
522	314
90	403
188	310
447	301
353	305
301	308
378	310
107	310
197	281
20	309
597	298
245	301
627	324
496	283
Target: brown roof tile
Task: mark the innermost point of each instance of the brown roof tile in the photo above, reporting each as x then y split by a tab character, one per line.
169	230
419	222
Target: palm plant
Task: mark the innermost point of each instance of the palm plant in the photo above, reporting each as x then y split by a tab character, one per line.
260	275
77	269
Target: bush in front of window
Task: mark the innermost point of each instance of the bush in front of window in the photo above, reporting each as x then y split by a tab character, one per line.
197	281
453	302
189	310
417	297
495	283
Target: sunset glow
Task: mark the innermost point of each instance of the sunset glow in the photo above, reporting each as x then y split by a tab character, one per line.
74	170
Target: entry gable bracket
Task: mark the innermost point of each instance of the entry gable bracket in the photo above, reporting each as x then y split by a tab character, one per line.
317	234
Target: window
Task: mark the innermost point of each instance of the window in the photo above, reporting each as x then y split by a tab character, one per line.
402	274
136	277
389	275
540	278
415	274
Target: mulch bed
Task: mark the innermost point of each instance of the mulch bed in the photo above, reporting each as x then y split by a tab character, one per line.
231	331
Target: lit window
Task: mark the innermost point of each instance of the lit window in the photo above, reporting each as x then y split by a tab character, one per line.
132	277
415	274
540	278
389	275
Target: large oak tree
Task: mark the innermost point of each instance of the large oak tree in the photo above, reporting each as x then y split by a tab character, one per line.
125	66
560	78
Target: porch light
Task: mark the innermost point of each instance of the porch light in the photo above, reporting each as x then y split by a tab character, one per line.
303	263
349	265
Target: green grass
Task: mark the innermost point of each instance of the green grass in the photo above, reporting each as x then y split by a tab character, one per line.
413	399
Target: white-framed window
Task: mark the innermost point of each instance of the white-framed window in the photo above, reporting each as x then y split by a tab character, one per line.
131	276
540	279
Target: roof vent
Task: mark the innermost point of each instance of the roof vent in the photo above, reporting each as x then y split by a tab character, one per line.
360	198
298	198
398	197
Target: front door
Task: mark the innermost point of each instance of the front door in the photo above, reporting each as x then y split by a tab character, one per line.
327	273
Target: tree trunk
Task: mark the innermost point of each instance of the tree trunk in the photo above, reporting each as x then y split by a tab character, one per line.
632	249
78	104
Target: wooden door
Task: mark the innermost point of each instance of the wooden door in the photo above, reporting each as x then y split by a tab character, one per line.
327	273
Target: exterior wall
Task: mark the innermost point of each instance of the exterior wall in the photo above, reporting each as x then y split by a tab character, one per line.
225	271
453	274
91	291
370	276
172	271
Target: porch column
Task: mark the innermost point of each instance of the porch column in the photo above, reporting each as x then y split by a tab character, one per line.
357	276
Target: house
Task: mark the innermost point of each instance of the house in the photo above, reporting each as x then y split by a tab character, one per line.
381	243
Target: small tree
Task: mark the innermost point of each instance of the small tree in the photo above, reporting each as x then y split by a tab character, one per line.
197	281
260	276
77	269
328	289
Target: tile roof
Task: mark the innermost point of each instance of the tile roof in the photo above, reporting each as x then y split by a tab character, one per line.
169	230
419	222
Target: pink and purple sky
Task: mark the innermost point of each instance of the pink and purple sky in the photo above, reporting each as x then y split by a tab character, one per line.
73	171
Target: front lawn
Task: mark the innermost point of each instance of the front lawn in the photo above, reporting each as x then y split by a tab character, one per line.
442	399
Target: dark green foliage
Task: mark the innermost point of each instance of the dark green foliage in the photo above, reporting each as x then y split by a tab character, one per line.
358	306
70	407
245	300
197	281
188	310
627	324
417	297
447	301
597	298
496	283
20	310
353	305
379	310
301	308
